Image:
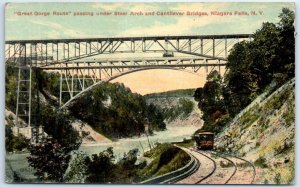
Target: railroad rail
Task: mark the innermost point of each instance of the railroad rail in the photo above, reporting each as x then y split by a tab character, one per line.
235	167
212	170
244	160
214	167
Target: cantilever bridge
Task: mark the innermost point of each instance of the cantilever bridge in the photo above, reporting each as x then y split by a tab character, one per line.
84	63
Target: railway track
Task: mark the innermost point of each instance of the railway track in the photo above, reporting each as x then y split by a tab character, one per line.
231	162
213	170
244	170
217	168
225	169
206	169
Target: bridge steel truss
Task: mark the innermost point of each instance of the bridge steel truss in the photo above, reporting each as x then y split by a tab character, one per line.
79	76
79	70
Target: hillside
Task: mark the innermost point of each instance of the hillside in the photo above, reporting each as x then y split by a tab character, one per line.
173	93
88	134
264	133
178	111
114	111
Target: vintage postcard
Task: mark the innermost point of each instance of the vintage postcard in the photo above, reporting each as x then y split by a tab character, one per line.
150	93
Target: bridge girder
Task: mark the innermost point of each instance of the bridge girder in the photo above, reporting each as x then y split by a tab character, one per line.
50	52
77	77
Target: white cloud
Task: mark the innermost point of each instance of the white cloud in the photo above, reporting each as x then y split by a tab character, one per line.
47	23
144	7
186	24
107	6
183	26
59	31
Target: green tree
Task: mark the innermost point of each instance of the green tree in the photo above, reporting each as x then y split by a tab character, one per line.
77	171
100	167
186	107
58	125
120	113
15	143
238	81
50	160
252	66
287	42
11	88
210	98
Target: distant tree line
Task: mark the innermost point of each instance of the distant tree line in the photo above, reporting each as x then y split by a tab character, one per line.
181	111
266	62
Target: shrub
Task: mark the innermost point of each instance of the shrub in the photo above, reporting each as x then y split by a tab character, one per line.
50	160
277	178
15	143
226	164
78	168
100	167
261	162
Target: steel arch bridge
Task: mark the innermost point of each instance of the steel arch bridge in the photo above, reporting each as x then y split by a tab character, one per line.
80	68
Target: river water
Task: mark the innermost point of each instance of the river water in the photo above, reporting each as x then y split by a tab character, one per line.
19	164
172	134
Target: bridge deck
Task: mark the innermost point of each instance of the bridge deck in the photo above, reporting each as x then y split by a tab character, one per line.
228	36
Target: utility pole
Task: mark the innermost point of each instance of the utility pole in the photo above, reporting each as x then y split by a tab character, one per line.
146	132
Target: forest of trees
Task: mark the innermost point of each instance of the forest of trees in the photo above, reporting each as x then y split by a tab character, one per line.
181	111
266	62
113	110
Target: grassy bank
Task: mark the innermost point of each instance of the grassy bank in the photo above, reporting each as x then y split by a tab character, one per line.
165	158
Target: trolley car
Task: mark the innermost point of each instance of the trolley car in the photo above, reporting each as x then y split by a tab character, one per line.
204	140
168	54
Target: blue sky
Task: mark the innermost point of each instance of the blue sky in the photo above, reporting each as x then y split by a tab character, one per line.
50	27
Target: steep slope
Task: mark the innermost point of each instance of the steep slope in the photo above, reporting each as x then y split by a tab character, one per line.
88	134
264	133
114	111
178	111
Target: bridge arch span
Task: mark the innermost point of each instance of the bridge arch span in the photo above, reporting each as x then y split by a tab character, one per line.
65	105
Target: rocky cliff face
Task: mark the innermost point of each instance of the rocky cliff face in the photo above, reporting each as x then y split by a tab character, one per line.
88	134
264	133
194	118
